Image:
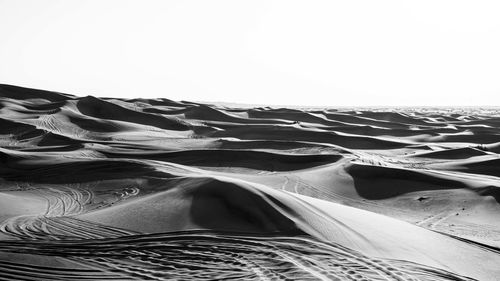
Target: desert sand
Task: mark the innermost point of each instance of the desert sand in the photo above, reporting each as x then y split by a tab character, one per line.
154	189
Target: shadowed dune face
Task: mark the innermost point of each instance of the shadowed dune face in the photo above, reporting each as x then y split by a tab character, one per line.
91	106
153	189
384	182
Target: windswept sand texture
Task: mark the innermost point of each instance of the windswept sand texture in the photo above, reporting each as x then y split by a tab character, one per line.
110	189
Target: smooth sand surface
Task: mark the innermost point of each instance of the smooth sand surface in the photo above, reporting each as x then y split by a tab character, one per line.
154	189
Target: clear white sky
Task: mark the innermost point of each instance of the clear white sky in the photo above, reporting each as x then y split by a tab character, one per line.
266	52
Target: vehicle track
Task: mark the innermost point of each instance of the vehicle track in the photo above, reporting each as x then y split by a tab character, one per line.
201	255
433	221
58	221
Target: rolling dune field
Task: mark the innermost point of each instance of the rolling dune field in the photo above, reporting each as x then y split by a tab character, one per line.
154	189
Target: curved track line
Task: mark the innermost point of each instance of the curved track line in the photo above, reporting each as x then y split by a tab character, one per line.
201	255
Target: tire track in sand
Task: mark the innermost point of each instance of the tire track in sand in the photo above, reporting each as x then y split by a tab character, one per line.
201	255
58	222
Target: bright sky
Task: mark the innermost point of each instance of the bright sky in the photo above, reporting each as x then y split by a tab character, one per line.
325	53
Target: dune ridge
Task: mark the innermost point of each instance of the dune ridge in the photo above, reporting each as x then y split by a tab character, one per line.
153	189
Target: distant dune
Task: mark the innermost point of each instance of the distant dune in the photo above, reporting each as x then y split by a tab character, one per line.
154	189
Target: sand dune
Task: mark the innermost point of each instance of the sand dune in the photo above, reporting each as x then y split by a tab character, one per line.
154	189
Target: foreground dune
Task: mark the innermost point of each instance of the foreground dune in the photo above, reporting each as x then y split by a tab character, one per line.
112	189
